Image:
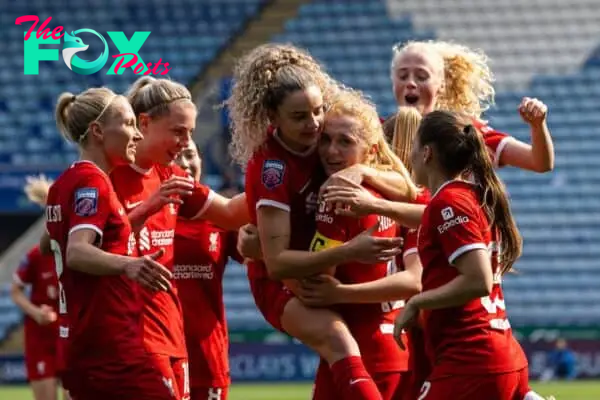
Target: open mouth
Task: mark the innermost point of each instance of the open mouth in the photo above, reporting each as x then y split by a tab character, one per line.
411	99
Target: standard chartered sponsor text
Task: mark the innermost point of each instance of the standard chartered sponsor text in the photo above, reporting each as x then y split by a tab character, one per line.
186	271
162	238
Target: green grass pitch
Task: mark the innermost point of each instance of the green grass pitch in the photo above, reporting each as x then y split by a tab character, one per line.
583	390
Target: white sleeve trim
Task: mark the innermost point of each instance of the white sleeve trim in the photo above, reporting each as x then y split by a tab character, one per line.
17	280
464	249
86	226
500	149
272	203
408	252
207	203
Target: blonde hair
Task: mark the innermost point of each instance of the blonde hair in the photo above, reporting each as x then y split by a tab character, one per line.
467	76
36	188
406	125
351	103
75	113
154	96
262	78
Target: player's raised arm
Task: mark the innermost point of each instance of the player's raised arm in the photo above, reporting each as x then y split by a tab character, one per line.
539	155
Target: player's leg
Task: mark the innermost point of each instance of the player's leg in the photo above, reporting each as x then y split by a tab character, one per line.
42	374
181	373
322	330
325	332
44	389
65	394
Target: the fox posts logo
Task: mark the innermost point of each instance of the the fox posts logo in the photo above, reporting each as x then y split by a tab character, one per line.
73	44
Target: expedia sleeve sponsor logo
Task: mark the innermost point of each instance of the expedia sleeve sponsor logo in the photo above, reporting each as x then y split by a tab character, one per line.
183	271
458	220
321	242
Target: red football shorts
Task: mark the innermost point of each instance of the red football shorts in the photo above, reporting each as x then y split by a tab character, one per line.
390	384
40	365
175	372
507	386
419	364
271	298
127	382
205	393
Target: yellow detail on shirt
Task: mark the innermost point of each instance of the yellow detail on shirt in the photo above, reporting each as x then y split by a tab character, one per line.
320	242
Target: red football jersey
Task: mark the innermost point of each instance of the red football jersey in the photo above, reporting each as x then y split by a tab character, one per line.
99	316
495	140
372	325
202	251
277	176
162	316
37	270
474	338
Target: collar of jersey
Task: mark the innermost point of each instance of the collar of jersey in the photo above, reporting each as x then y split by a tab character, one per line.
88	162
305	153
443	185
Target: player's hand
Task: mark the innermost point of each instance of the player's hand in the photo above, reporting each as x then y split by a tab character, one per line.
320	291
45	315
369	249
408	318
170	191
354	174
248	242
351	199
149	273
533	111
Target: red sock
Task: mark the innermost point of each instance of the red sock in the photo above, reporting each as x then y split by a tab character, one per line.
352	380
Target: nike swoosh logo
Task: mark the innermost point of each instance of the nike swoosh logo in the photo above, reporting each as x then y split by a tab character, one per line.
354	381
129	205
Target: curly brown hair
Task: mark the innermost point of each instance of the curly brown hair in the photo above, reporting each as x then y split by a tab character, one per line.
262	79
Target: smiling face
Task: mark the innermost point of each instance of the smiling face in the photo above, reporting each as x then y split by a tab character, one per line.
189	160
118	133
299	118
341	146
167	135
417	77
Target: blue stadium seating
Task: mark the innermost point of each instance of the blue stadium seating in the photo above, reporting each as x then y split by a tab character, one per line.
10	315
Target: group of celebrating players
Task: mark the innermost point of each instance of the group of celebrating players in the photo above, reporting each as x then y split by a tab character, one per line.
380	246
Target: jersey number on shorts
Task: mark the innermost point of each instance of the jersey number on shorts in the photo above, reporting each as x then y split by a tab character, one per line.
424	390
58	261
